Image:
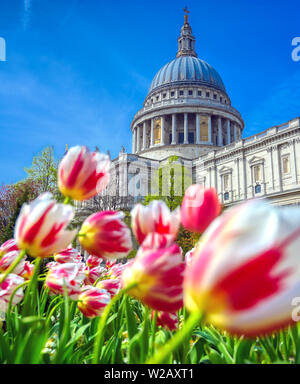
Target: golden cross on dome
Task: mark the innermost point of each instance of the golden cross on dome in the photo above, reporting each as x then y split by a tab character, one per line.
186	16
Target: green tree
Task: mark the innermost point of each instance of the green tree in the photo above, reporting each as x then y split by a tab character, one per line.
43	171
173	179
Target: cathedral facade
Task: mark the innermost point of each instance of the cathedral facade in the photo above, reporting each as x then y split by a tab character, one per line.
188	116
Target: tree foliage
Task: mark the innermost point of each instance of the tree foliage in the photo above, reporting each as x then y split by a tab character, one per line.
12	197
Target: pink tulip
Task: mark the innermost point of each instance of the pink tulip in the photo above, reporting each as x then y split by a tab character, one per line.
199	208
68	276
83	174
112	286
105	235
40	227
8	246
245	271
156	217
7	287
92	301
158	275
27	271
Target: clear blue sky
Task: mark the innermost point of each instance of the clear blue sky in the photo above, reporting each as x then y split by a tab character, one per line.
78	70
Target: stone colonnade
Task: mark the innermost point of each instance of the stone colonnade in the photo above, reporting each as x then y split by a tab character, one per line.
184	128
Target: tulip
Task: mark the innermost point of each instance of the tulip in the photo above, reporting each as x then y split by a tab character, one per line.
112	286
189	256
40	227
199	208
67	277
27	271
8	246
93	261
105	235
157	276
68	255
92	301
7	287
167	320
7	260
156	217
115	271
93	274
83	174
246	271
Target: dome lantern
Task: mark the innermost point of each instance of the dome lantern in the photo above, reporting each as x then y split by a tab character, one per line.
186	40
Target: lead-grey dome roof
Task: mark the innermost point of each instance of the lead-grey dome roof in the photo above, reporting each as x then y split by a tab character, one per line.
187	69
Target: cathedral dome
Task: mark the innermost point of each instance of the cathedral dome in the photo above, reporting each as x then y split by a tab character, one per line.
187	69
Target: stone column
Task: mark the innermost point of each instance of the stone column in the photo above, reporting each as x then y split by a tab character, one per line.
209	131
174	140
152	133
138	146
235	131
228	132
133	139
220	138
162	130
144	135
186	129
197	128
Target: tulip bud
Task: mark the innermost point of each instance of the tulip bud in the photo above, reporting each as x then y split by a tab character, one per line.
105	235
40	227
8	259
93	274
92	301
93	261
167	320
199	208
67	277
8	246
7	287
83	174
245	271
68	255
158	275
156	217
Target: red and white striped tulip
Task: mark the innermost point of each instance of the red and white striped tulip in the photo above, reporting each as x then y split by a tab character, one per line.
8	246
93	261
83	174
155	217
93	274
104	234
245	271
68	276
8	259
112	286
68	255
92	301
158	275
199	208
41	226
7	287
167	320
28	270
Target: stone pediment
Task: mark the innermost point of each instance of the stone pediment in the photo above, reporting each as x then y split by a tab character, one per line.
224	170
256	160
